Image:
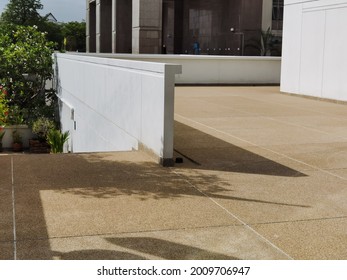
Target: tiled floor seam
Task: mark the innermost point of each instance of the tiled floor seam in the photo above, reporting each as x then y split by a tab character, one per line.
266	149
236	217
299	221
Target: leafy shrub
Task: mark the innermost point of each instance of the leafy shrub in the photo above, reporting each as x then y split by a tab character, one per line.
41	127
56	140
26	64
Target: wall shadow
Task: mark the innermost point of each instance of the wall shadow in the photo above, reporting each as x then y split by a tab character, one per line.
166	249
204	151
97	255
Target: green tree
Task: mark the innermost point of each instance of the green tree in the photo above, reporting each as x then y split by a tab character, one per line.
54	32
22	12
26	64
75	34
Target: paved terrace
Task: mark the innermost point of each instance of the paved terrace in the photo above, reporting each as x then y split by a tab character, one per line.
264	177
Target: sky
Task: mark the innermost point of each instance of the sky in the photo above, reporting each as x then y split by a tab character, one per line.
63	10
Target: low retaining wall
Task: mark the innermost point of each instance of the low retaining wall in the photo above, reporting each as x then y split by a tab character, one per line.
208	69
116	105
23	130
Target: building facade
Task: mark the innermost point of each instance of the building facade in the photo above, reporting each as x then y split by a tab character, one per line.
314	60
218	27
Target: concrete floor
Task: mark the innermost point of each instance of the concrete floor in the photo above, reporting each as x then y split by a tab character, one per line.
264	177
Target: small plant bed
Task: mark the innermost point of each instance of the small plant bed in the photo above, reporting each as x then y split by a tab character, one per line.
41	128
38	147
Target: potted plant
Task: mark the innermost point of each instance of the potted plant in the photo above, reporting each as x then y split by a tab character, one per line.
17	141
40	128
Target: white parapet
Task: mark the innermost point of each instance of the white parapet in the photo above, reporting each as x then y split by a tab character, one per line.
116	105
209	69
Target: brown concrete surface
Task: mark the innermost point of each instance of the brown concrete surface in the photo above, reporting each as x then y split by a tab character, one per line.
264	177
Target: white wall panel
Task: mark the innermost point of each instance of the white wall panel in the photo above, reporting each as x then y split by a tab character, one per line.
291	49
312	53
319	45
117	104
335	62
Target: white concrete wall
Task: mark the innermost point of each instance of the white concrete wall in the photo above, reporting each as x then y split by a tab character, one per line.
116	105
201	69
314	60
23	130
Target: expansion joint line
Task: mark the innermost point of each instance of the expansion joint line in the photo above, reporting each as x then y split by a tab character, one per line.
234	216
13	212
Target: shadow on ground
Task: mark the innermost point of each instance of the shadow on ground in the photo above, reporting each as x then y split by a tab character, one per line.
204	151
140	246
166	249
102	178
105	176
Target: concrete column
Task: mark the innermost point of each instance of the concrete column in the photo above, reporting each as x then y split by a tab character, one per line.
103	26
121	26
91	26
98	28
267	15
147	26
114	26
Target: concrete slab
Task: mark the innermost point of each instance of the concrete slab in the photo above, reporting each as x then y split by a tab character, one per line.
329	156
279	199
256	183
6	224
219	243
5	167
6	251
6	220
320	239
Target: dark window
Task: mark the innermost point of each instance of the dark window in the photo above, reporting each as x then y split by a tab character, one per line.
277	10
277	14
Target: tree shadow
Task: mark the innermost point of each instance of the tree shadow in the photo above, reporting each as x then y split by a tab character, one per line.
204	151
106	176
166	249
105	179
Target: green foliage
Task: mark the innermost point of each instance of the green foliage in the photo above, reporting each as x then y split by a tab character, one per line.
75	34
41	127
16	137
53	32
4	109
26	64
56	140
22	12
